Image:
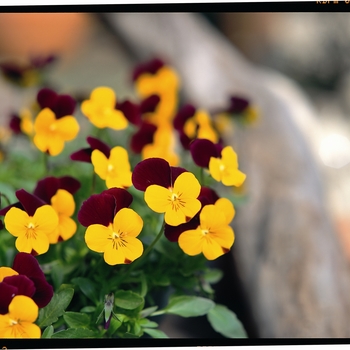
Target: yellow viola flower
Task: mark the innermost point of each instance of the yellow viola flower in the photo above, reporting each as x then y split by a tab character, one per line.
118	241
27	125
64	205
100	109
225	169
51	133
213	237
179	203
31	231
115	170
19	322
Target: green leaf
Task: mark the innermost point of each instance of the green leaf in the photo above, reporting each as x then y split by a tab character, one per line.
47	332
148	311
75	333
114	325
127	300
213	275
76	319
189	306
57	275
146	323
225	321
87	287
88	309
55	308
155	333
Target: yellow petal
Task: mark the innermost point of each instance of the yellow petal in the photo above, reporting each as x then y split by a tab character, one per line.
133	248
44	120
212	218
191	241
120	181
226	207
100	163
116	120
55	144
63	202
224	237
187	184
23	308
212	249
113	256
103	95
128	222
119	157
215	170
229	157
29	330
40	141
97	237
39	243
6	272
233	178
67	128
16	221
66	229
157	198
174	217
45	219
23	244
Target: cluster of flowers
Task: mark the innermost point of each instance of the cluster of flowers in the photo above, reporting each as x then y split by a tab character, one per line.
194	214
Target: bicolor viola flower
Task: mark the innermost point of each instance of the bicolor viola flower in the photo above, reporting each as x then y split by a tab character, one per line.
112	227
52	133
202	150
170	190
84	154
22	123
58	192
19	321
24	278
192	124
115	169
101	110
32	225
214	236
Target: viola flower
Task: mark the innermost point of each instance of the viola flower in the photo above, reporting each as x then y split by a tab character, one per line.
19	322
142	137
202	150
115	170
213	237
168	190
192	124
52	133
31	226
225	169
84	155
24	278
112	227
100	109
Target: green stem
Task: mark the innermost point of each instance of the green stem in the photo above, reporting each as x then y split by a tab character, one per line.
201	176
149	248
93	183
46	164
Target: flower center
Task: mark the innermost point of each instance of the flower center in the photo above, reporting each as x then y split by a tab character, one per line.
31	230
205	231
13	322
117	239
110	168
222	167
176	201
53	127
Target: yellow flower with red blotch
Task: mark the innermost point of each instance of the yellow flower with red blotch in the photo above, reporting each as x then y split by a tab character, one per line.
100	109
115	170
19	321
51	133
213	237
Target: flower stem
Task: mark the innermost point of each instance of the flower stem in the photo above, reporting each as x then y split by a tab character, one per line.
46	164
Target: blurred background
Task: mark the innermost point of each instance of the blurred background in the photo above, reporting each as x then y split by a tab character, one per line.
310	48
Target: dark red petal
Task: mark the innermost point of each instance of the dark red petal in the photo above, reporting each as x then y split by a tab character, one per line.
175	172
7	292
30	202
148	67
15	124
23	284
98	209
122	197
202	150
69	184
131	111
18	205
46	188
207	196
83	155
142	137
172	233
237	104
26	264
182	115
151	171
1	225
65	105
99	145
47	98
185	141
149	104
43	291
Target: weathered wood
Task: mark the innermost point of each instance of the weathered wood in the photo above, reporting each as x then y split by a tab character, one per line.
288	256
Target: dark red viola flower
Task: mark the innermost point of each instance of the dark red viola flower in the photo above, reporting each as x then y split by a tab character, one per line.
155	171
15	124
30	281
131	111
237	105
61	105
184	113
142	137
84	154
148	67
149	104
101	208
202	150
27	202
48	187
206	196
